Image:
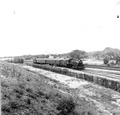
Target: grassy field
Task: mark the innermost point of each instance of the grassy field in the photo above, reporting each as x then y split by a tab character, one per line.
25	93
93	61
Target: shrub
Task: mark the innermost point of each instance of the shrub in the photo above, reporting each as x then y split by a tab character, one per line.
65	71
19	91
66	107
5	108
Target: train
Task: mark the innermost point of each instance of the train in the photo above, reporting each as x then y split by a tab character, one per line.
69	63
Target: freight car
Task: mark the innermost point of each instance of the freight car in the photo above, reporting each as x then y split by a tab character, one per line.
16	60
70	63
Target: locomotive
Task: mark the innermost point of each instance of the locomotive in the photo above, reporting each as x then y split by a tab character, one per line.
69	63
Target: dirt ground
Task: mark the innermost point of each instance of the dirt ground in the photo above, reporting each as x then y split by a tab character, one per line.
30	91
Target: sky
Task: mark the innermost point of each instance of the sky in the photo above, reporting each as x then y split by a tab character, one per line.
58	26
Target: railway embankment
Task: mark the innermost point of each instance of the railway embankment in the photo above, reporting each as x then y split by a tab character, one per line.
29	90
26	93
107	82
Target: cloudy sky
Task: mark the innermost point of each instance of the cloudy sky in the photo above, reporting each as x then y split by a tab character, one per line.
58	26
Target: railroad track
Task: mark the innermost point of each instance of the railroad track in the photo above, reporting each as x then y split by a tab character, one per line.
116	68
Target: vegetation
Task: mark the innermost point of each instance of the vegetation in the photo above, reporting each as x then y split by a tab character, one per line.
110	52
78	54
24	93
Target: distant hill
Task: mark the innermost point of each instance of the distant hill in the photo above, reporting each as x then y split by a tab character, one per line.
108	51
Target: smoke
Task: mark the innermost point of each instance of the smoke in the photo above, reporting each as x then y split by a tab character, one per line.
118	3
118	9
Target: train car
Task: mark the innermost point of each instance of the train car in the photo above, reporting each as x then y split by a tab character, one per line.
40	61
50	61
57	62
18	60
64	62
28	61
70	63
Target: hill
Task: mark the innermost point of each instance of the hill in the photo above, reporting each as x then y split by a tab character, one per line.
108	51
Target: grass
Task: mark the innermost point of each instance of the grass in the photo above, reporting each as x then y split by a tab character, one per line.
24	93
93	62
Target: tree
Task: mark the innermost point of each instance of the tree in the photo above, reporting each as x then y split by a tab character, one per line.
78	54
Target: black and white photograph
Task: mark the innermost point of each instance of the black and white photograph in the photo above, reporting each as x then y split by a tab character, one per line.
60	57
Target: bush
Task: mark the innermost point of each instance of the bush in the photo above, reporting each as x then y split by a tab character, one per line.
5	108
65	71
19	91
58	70
29	90
66	107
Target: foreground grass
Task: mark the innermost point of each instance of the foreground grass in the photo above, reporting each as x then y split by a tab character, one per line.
24	93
